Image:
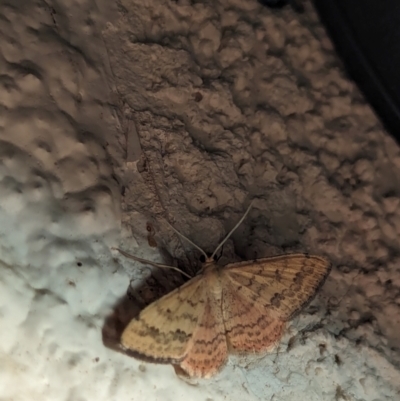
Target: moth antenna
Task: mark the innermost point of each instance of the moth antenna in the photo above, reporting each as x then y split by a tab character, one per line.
148	262
233	229
187	239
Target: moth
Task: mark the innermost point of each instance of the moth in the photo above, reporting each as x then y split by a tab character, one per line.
233	309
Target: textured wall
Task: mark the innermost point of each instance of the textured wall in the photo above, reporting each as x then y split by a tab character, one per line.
114	117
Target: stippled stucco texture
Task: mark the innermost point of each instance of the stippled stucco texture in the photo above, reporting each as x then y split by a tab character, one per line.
116	117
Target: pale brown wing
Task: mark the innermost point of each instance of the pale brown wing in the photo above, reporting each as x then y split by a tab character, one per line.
249	326
260	296
162	331
208	349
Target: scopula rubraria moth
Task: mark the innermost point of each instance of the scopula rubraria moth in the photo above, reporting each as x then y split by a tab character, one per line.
237	308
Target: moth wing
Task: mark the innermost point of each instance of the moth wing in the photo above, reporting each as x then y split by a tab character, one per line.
208	350
260	296
163	329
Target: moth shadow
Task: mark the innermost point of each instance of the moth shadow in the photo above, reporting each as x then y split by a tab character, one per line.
139	295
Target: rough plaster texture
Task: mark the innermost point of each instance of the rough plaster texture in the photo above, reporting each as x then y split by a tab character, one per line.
117	117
